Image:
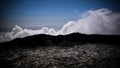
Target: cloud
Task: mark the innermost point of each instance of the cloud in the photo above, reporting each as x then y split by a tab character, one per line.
101	21
18	32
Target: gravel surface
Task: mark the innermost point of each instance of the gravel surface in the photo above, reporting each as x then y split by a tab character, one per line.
77	56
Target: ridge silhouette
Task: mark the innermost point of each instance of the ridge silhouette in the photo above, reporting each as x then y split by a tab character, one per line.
63	40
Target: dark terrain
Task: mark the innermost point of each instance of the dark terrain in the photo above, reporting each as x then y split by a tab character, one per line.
63	51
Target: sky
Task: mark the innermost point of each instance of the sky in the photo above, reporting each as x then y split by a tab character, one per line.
21	18
35	14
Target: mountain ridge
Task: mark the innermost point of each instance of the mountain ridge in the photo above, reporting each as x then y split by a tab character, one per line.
67	51
73	38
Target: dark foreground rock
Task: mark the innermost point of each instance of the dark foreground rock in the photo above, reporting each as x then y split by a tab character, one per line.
63	51
87	55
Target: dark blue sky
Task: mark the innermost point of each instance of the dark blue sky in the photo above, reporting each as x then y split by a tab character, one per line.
51	13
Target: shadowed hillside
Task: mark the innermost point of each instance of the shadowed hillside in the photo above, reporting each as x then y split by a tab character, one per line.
63	51
74	38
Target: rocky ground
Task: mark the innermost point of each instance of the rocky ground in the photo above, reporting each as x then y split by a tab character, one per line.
77	56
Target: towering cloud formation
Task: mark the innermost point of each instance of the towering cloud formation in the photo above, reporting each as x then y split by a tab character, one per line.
101	21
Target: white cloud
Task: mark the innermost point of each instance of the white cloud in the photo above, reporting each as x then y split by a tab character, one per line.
101	21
